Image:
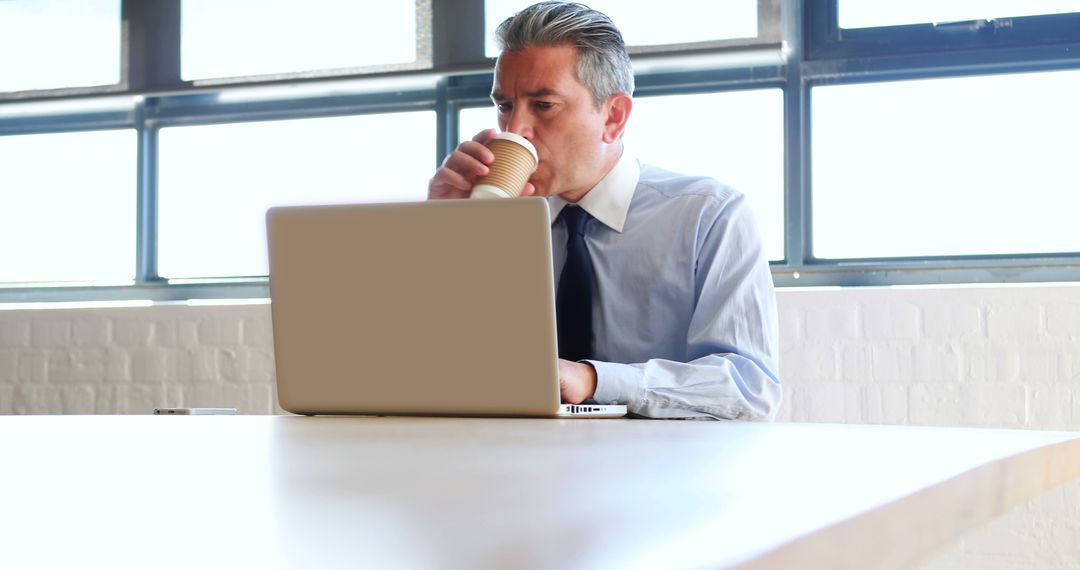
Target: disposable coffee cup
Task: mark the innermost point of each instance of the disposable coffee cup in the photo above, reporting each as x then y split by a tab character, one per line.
515	161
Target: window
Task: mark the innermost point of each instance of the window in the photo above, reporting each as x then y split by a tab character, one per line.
862	14
846	28
265	37
51	44
710	20
69	208
217	181
737	138
963	166
878	143
475	119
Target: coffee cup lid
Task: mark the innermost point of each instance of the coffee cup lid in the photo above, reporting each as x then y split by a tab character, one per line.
521	141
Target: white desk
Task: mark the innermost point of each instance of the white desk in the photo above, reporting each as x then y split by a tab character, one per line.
266	492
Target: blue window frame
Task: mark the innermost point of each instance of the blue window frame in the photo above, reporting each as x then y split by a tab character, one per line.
827	39
881	55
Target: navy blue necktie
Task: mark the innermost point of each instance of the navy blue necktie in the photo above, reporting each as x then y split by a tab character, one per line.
573	303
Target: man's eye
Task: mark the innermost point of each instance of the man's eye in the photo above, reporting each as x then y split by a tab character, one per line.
504	107
544	105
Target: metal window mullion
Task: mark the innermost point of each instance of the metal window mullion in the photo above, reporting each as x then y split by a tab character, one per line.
900	67
146	250
797	198
446	124
470	90
798	236
151	62
714	81
180	110
68	123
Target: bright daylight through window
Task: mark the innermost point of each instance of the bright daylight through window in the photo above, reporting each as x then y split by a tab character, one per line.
51	44
642	24
218	39
970	166
217	181
748	156
67	207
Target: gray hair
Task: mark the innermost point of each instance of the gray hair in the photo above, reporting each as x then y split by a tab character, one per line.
603	64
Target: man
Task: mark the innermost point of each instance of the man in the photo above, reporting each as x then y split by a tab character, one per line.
665	300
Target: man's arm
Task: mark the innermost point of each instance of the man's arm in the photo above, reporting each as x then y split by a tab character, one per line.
732	368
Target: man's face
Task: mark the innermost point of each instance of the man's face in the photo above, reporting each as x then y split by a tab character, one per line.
538	96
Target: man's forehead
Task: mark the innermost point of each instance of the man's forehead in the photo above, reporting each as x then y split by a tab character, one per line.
536	71
497	93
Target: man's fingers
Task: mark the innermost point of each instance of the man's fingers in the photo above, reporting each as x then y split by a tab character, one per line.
448	177
484	136
476	151
465	165
461	167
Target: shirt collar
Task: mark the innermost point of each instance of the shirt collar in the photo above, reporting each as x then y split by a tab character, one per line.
609	200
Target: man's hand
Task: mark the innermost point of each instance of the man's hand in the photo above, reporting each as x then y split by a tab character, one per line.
458	173
577	381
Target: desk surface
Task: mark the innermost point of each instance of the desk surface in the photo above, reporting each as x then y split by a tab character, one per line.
215	491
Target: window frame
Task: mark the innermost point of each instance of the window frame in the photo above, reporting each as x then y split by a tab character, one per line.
826	39
793	52
1038	43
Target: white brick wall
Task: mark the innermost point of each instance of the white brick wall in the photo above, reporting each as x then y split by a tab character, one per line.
1004	357
131	360
969	356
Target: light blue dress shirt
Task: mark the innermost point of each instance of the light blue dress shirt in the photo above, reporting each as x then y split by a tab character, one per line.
684	315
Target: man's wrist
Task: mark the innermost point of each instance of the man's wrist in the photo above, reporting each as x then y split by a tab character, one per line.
589	373
618	383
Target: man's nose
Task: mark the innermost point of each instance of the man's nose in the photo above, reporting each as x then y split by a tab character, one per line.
520	123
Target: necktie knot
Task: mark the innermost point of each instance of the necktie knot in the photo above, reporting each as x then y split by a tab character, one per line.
576	217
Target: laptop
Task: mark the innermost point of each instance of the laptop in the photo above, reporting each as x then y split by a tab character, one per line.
442	308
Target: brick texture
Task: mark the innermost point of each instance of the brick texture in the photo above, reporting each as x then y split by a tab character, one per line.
131	360
14	332
1005	357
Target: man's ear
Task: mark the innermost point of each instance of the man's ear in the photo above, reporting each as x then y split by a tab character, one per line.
617	110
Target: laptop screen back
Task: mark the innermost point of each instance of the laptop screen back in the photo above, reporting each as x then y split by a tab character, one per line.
440	307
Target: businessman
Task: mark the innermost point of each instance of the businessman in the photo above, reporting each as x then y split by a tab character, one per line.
664	297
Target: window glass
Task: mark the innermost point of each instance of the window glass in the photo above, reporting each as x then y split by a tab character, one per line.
68	207
962	166
475	119
217	181
50	44
735	137
643	24
863	14
234	38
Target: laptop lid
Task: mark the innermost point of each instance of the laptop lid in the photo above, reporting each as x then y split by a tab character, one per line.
431	308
